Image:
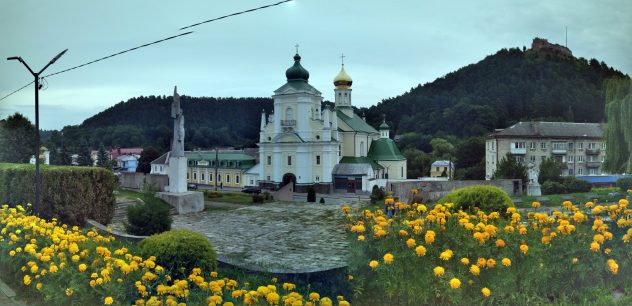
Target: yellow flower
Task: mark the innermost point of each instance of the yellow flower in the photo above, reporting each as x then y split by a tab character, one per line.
491	263
500	243
465	261
446	255
429	237
455	283
614	267
535	204
27	279
82	267
574	260
594	246
373	264
411	243
344	303
506	262
388	258
108	300
314	296
361	238
475	270
524	248
69	291
438	271
486	292
420	250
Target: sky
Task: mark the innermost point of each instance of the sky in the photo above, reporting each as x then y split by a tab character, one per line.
389	46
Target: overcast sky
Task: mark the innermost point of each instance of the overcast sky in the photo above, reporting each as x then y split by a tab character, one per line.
390	46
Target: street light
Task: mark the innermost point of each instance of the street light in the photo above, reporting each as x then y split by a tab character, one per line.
36	75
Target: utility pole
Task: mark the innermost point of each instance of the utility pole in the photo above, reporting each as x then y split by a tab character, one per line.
216	164
36	75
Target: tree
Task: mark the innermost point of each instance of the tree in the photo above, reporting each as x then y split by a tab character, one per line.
509	168
618	132
418	163
85	155
550	170
102	157
441	148
148	155
17	139
471	156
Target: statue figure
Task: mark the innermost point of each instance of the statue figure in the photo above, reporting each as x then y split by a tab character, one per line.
532	172
177	147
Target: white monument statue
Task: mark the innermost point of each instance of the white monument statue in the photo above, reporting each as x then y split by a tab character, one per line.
533	187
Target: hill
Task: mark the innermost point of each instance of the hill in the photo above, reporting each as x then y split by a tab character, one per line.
502	89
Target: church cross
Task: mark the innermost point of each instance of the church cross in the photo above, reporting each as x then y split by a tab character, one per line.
342	59
296	46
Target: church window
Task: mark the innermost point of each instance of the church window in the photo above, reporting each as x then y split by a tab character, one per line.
219	178
289	160
317	178
269	160
194	176
236	179
202	175
210	178
317	137
269	138
289	114
361	148
345	94
187	176
268	178
402	172
318	159
227	178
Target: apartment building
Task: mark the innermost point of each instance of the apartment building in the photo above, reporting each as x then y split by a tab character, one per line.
580	147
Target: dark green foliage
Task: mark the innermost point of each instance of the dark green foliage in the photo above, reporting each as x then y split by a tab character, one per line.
418	163
509	168
71	194
148	155
552	187
550	170
377	194
625	183
179	251
257	198
498	91
618	132
484	197
151	217
574	185
311	195
85	155
322	200
17	139
102	157
470	159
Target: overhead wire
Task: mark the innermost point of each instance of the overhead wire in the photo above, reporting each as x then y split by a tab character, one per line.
149	44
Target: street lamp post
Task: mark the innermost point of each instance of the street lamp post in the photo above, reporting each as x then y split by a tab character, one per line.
36	75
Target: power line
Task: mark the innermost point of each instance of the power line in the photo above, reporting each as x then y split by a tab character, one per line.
152	43
235	14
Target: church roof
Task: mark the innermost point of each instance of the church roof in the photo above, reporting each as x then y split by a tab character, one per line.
297	87
355	123
384	149
350	165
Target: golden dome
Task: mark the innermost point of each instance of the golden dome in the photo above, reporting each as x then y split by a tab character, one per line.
343	79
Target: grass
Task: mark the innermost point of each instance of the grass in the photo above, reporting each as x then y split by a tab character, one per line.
231	197
554	200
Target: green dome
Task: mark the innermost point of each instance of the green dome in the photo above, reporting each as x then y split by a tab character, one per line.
297	72
383	126
384	149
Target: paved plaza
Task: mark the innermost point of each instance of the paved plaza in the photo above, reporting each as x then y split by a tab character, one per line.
280	237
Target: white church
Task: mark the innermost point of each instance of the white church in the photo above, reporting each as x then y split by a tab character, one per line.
328	149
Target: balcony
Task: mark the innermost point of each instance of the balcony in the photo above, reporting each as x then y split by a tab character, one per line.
518	151
288	123
593	164
593	151
559	151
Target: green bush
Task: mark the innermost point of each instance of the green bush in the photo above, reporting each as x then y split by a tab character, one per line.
551	187
625	183
257	198
151	217
179	251
322	200
71	194
573	184
484	197
377	194
311	195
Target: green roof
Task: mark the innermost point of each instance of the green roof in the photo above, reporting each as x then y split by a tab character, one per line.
245	161
298	86
356	123
360	160
385	149
384	126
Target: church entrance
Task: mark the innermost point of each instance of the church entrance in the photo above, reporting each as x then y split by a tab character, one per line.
289	178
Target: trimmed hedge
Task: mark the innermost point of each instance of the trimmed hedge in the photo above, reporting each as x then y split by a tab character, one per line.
179	251
70	194
625	183
151	217
484	197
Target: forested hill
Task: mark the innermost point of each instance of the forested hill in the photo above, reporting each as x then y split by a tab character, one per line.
145	121
503	88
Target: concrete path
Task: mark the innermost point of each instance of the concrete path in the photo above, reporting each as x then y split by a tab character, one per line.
277	237
7	295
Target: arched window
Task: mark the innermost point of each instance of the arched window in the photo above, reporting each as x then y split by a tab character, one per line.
362	148
289	114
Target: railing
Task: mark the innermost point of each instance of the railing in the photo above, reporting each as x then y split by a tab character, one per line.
593	164
520	151
288	122
592	151
559	151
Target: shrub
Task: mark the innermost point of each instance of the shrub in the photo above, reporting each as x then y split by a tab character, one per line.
377	194
257	198
179	251
149	218
71	194
551	187
322	200
484	197
267	196
625	183
212	194
573	184
311	195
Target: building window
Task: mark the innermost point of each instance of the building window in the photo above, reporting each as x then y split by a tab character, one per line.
592	146
580	158
520	145
402	174
603	158
570	158
317	178
339	150
289	114
361	148
437	169
520	159
318	159
195	176
187	176
219	178
592	171
542	158
268	178
591	158
580	146
210	178
532	158
570	172
532	145
202	175
559	146
570	145
603	145
493	146
580	171
236	179
269	160
227	178
543	145
289	160
252	182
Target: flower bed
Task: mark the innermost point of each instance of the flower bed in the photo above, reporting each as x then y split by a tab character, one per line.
66	266
439	256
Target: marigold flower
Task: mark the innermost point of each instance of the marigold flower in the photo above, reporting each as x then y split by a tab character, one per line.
373	264
420	250
69	291
446	255
388	258
455	283
524	248
614	267
491	263
465	261
506	262
108	300
411	243
535	204
429	237
486	292
500	243
574	260
361	238
82	267
314	296
438	271
27	280
594	246
475	270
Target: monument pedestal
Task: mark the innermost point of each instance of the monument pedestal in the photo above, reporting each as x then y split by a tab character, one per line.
184	202
534	190
177	174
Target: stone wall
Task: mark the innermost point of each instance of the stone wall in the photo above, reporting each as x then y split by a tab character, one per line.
134	180
434	190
